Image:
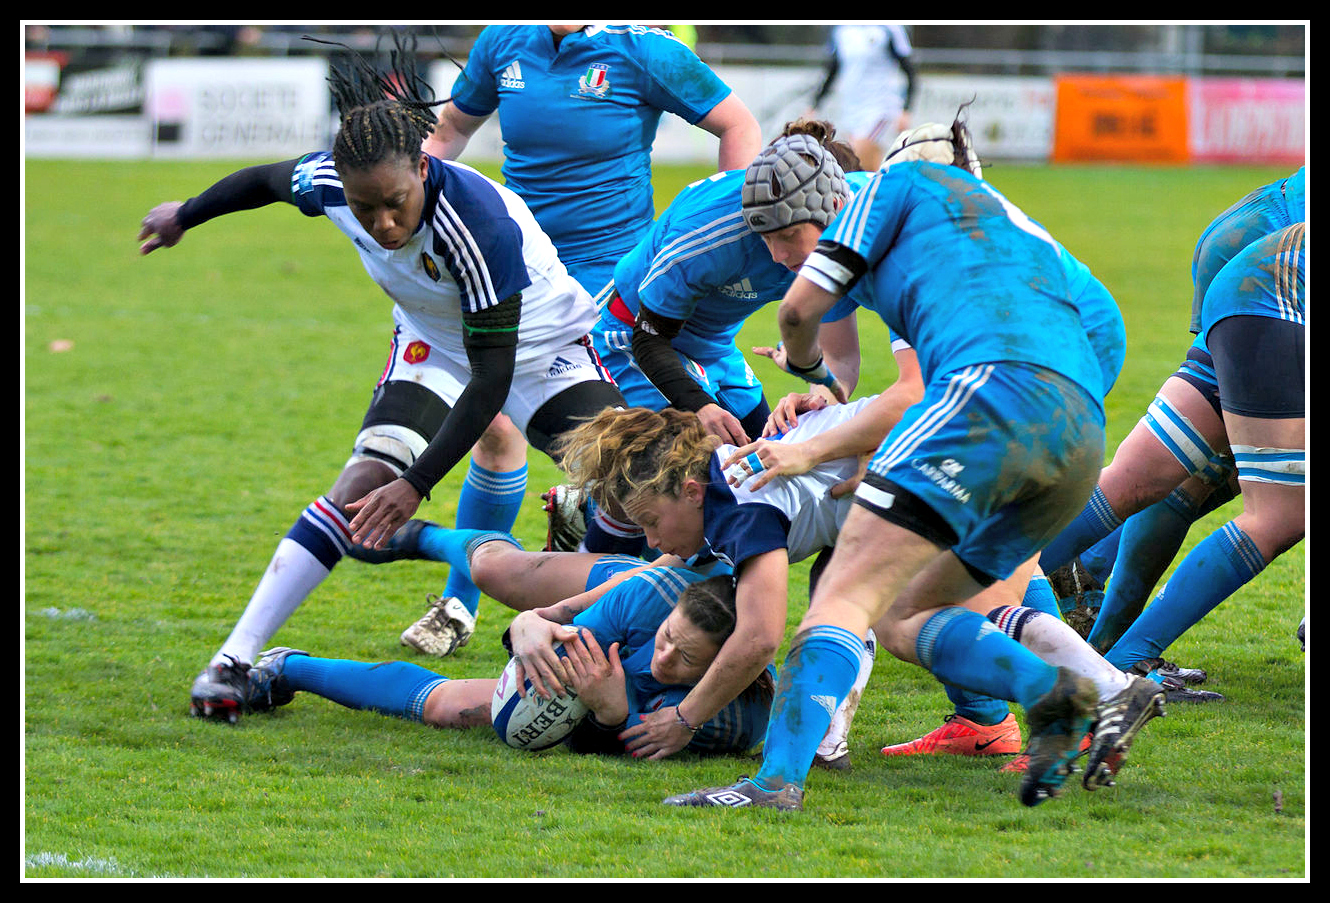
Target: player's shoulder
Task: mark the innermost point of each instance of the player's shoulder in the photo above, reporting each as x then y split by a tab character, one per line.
315	181
645	46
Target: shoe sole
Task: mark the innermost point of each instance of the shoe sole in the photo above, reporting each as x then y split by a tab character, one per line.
1103	764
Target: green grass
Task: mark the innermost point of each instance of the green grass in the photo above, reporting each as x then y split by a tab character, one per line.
214	389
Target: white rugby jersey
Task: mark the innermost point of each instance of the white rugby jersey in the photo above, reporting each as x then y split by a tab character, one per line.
795	513
869	55
477	245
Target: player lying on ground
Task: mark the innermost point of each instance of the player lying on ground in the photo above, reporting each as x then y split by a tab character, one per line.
639	647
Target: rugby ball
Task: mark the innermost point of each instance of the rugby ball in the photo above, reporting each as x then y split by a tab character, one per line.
524	720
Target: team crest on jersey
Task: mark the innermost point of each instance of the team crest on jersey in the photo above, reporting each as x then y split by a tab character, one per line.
431	268
595	81
416	353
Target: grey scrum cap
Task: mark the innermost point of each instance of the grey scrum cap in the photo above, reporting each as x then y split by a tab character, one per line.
794	180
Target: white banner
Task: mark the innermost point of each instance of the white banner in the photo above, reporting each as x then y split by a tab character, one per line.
1011	117
54	137
238	107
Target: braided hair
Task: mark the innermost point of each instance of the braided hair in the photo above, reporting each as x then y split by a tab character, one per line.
384	114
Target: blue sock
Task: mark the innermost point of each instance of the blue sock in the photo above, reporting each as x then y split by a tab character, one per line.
455	546
985	709
391	688
1150	541
1098	559
1215	569
977	707
1039	596
1095	521
963	648
488	501
819	670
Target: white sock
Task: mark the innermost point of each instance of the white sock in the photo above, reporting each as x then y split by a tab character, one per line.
291	576
838	732
1058	644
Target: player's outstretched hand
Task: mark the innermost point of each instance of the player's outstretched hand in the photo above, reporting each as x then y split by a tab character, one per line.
161	227
719	422
785	415
762	461
380	513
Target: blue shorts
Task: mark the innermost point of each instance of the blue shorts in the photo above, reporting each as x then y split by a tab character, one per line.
1261	212
996	459
1254	325
727	378
609	566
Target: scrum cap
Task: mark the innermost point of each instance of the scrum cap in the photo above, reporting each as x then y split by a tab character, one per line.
794	180
935	143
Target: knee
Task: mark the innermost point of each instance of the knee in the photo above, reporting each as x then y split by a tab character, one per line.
359	479
501	441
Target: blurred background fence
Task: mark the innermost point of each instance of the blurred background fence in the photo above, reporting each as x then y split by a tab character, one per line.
1159	92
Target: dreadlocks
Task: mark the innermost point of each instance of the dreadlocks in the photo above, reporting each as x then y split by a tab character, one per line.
384	114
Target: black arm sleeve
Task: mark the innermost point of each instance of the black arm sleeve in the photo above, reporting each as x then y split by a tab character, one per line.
833	69
654	354
254	186
907	66
490	337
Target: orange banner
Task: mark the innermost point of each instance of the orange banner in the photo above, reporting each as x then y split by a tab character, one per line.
1121	118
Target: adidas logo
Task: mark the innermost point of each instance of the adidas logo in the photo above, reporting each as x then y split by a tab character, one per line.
741	289
512	76
560	365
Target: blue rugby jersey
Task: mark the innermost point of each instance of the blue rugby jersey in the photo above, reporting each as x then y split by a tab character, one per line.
1267	209
578	122
701	264
959	272
630	614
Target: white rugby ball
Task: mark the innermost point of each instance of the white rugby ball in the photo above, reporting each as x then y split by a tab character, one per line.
525	720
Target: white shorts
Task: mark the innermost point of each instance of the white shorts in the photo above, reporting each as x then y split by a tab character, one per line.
540	374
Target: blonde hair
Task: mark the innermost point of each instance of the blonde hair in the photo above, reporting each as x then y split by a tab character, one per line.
624	453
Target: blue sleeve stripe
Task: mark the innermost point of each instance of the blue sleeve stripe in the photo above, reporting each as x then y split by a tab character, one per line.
473	277
694	244
667	582
850	225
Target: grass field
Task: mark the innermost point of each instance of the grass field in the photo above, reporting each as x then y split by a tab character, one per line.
211	391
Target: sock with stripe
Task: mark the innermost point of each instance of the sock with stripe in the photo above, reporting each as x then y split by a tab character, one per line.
985	709
819	670
489	501
1096	521
307	554
390	688
962	648
1215	569
1150	542
1056	643
606	534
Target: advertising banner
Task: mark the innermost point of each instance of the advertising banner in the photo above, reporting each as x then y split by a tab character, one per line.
1127	118
238	107
1248	120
